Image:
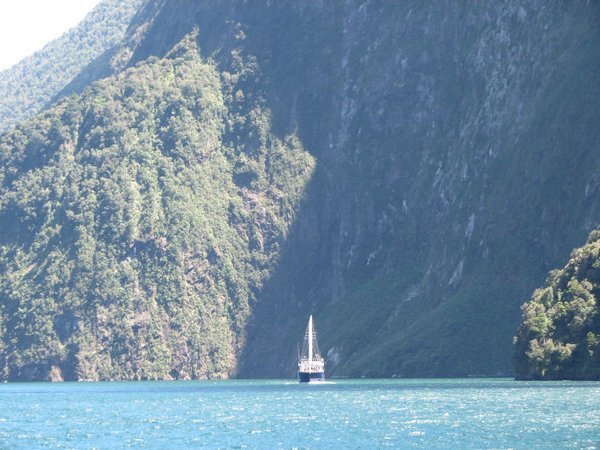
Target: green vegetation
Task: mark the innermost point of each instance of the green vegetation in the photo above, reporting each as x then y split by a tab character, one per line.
559	337
137	222
31	84
161	223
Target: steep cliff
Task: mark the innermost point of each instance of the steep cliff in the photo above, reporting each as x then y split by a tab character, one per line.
456	149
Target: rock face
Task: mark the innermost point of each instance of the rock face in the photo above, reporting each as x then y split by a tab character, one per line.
453	161
559	337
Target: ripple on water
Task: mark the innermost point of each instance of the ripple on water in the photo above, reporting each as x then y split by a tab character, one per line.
347	413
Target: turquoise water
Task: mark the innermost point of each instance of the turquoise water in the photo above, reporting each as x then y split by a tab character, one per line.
468	413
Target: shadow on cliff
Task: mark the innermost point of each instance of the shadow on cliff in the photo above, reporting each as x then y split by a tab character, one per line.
299	50
300	80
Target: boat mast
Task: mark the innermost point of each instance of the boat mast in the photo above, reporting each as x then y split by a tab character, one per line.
310	339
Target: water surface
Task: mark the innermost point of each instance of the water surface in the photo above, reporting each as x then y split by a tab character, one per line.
467	413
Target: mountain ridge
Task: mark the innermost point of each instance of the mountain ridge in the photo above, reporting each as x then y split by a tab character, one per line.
34	82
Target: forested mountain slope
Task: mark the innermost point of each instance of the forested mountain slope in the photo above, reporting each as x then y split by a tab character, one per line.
137	222
407	172
559	337
29	85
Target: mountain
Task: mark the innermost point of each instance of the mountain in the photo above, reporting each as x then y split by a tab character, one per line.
28	86
406	172
559	337
132	248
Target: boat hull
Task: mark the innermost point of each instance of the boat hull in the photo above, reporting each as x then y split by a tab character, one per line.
310	377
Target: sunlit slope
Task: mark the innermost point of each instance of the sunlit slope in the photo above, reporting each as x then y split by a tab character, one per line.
559	336
138	221
28	86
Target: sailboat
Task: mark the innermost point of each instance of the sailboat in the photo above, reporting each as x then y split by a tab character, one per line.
311	365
